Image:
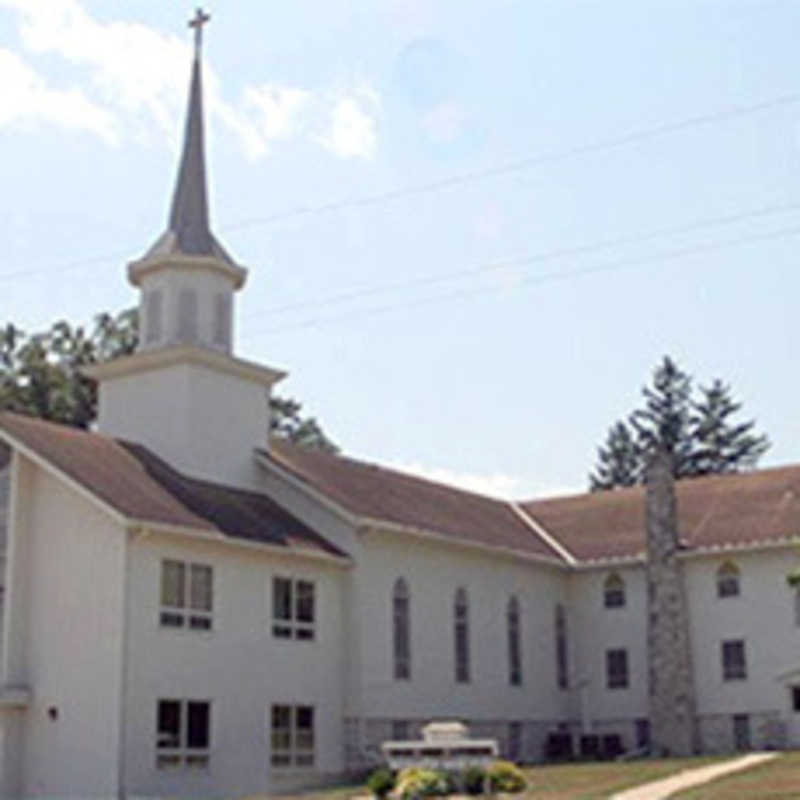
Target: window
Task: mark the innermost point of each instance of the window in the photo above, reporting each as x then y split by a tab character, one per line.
514	741
222	319
741	731
562	668
183	733
187	315
728	580
186	595
795	698
642	733
461	635
400	730
401	631
292	736
514	648
153	311
734	662
614	592
293	612
617	669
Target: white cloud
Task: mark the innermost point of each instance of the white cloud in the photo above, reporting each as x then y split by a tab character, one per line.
353	131
27	98
278	108
498	484
136	86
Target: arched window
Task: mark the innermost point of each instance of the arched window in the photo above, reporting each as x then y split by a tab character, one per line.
728	580
461	631
514	647
614	592
562	667
401	629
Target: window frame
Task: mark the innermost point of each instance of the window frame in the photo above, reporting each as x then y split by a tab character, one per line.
292	756
461	648
614	595
733	669
513	626
401	630
294	627
182	755
617	669
728	581
185	615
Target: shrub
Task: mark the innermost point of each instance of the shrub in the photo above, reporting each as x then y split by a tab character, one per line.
472	779
505	777
380	782
416	782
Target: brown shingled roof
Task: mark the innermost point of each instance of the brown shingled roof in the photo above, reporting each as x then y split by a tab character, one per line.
719	511
142	487
368	490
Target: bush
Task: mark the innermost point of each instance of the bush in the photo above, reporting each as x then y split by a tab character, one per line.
505	777
416	782
472	779
381	782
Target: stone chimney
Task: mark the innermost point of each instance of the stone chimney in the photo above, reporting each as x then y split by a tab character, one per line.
673	722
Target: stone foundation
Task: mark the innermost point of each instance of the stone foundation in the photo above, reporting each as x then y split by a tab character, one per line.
767	732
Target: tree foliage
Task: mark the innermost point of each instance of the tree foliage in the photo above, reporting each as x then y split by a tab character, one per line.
697	433
40	375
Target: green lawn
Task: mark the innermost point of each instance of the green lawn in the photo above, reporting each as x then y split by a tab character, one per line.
778	779
594	781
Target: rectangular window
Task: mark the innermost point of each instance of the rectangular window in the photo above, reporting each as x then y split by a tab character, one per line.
400	730
795	698
617	669
222	319
293	609
186	595
734	661
514	741
153	316
741	731
292	736
562	665
183	734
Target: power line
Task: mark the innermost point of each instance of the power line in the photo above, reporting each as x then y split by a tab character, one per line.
635	137
641	135
549	255
551	277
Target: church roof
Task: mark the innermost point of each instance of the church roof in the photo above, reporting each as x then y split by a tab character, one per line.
143	488
378	493
750	509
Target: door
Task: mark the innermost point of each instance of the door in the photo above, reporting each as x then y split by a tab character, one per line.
793	727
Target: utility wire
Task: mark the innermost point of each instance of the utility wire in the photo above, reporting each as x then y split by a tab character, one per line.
641	135
635	137
550	277
549	255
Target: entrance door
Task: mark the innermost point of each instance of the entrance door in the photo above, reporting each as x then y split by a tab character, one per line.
793	727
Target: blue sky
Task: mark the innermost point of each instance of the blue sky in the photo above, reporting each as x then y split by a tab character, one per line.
454	330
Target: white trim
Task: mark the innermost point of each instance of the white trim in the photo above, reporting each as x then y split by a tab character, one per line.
14	697
533	524
183	261
161	357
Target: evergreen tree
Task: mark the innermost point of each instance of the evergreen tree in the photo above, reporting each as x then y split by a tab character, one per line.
699	435
619	462
665	419
720	445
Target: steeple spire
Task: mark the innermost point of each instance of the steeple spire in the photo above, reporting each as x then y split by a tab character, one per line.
188	228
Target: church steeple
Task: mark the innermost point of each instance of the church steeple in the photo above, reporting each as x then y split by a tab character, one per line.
187	277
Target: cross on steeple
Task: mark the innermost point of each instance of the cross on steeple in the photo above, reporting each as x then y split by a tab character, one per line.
200	19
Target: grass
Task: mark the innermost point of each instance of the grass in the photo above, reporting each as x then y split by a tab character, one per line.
599	780
778	779
588	781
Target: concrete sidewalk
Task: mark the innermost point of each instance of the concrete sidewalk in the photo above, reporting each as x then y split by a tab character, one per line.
658	790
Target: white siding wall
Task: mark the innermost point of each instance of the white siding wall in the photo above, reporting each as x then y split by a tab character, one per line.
67	639
595	629
239	666
763	616
433	572
200	421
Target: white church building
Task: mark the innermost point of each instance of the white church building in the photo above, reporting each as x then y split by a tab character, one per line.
192	610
